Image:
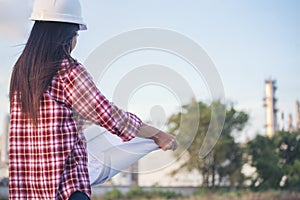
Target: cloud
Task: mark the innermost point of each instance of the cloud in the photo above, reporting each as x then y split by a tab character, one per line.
14	18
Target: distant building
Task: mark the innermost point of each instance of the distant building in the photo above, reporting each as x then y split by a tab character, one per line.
270	106
4	140
282	126
290	124
297	116
4	148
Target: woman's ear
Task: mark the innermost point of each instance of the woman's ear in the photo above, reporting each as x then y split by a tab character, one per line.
73	42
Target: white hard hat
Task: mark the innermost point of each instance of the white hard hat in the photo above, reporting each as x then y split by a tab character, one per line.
58	11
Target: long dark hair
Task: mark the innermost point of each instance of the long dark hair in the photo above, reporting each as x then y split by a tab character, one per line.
48	44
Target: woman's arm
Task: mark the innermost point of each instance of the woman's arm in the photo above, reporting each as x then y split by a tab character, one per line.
164	140
83	96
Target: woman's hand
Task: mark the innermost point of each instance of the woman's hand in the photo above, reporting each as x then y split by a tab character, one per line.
164	140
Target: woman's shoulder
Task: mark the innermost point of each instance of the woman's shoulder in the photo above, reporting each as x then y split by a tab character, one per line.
68	66
71	63
72	70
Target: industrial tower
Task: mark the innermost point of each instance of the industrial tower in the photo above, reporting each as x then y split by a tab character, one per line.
297	116
270	106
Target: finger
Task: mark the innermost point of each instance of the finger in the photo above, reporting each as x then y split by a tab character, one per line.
172	145
175	145
168	146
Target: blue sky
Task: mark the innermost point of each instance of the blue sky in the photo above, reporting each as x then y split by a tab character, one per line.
248	41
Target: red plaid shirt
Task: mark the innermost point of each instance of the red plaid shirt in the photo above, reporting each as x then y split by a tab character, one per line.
50	162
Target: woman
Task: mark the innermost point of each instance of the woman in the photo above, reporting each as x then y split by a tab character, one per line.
51	96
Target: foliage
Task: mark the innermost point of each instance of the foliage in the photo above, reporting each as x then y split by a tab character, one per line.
166	194
277	161
139	193
265	159
229	195
135	192
113	194
288	146
223	164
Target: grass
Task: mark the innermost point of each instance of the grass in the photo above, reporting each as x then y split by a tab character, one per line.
139	194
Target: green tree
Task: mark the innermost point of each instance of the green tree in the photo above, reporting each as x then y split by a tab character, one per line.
277	161
288	147
263	157
224	162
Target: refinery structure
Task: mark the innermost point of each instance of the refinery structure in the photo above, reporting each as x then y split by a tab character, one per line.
271	112
270	106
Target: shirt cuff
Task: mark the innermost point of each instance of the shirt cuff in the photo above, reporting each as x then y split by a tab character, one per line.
131	128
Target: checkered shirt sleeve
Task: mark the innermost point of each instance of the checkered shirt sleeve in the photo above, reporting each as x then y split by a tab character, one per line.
83	95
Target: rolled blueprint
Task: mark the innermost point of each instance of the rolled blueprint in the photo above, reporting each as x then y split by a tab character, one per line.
108	154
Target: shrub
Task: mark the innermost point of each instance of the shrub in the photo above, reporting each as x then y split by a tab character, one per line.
113	194
136	192
165	194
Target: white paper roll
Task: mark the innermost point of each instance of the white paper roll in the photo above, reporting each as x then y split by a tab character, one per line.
108	155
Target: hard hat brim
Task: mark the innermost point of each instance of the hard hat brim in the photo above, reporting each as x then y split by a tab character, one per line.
82	27
58	13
